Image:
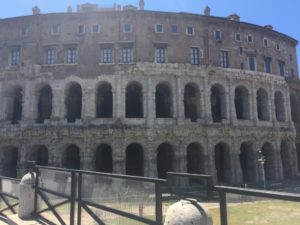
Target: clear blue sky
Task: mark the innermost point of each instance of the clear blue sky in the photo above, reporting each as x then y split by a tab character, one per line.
283	15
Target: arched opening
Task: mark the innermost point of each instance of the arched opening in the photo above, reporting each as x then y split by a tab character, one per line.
262	105
39	154
294	108
279	106
218	103
191	102
195	159
298	156
248	162
241	101
163	101
9	161
14	105
286	159
222	163
269	165
134	101
104	159
73	102
71	158
165	158
44	104
104	101
135	160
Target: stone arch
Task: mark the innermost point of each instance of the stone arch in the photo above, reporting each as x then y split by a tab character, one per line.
134	100
298	155
104	101
163	100
269	165
165	160
192	102
262	105
14	105
44	105
104	159
71	157
222	163
39	154
286	159
9	160
218	103
195	159
248	162
73	102
135	160
242	104
294	108
279	106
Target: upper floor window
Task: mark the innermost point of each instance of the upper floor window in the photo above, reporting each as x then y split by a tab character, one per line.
241	50
195	55
24	31
71	55
218	35
190	30
278	46
159	28
15	56
127	28
160	55
96	28
238	37
224	59
267	64
81	29
266	43
50	56
174	28
252	63
250	38
107	55
281	65
127	55
55	29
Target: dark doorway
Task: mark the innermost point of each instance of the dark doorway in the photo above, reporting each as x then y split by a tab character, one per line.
286	159
165	158
218	103
241	101
269	166
44	104
71	158
73	102
262	105
279	107
294	108
248	162
104	159
195	159
192	102
9	161
39	154
134	101
222	163
135	160
15	100
163	101
104	101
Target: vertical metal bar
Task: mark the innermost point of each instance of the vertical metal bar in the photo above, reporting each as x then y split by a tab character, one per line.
72	202
36	190
79	198
209	186
223	207
158	204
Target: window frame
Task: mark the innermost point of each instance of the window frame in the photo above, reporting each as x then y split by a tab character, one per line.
55	29
220	38
266	42
268	60
282	67
50	58
127	25
107	55
98	28
188	29
15	56
224	58
173	26
157	30
240	37
71	55
160	54
195	55
251	37
254	63
126	55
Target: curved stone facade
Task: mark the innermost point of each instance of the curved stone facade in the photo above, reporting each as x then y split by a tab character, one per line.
143	92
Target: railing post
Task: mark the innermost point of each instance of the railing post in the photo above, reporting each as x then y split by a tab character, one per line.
210	187
79	199
73	196
158	203
36	190
223	207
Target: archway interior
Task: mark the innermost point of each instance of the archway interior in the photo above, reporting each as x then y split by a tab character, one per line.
286	159
241	102
134	160
104	159
248	162
39	154
163	101
71	158
218	103
134	101
269	166
294	108
191	102
44	104
164	160
73	103
14	107
9	161
104	101
262	105
195	162
222	163
279	107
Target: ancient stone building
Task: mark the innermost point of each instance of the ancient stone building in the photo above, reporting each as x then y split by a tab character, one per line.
141	92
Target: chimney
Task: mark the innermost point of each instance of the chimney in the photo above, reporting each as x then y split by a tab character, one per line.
207	11
270	27
234	17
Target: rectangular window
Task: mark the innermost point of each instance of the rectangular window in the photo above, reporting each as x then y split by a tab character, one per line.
55	28
242	66
81	29
71	55
24	31
50	56
107	55
174	28
238	37
15	57
218	35
190	30
266	42
241	50
195	56
278	46
96	28
281	65
252	63
159	28
267	62
250	38
127	28
224	58
126	55
160	55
